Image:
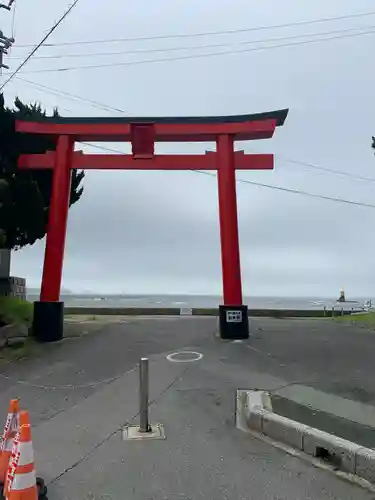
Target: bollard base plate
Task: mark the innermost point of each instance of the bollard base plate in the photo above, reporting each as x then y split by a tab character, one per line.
132	432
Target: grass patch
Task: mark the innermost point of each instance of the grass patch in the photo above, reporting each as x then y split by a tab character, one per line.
364	319
16	311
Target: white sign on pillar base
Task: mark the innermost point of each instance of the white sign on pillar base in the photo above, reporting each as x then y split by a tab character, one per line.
233	322
186	311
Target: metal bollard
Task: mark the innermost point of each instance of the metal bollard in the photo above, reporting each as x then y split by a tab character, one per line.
144	425
342	312
325	311
333	313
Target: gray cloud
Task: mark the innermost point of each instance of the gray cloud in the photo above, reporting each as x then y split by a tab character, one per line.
159	231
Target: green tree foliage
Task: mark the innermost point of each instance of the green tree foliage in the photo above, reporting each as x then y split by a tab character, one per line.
25	195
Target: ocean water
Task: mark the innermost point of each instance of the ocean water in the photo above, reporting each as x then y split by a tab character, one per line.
190	301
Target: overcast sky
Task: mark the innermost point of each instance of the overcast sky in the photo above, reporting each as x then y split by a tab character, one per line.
158	232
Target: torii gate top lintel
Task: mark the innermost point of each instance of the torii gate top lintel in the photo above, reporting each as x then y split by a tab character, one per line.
164	129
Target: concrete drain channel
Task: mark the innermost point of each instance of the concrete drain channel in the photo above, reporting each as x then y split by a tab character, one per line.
341	444
339	426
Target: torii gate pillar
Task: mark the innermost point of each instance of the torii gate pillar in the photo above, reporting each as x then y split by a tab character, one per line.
233	316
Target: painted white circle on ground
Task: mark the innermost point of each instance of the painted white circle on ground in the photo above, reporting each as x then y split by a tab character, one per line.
184	356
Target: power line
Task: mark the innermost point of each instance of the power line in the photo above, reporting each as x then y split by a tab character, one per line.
298	162
36	48
198	47
108	108
117	151
259	184
7	6
102	148
197	56
296	191
68	95
306	193
317	167
210	33
326	169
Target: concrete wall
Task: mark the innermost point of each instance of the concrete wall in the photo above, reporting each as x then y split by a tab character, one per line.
171	311
196	311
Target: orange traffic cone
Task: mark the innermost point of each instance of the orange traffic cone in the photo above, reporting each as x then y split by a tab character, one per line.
23	419
21	478
6	440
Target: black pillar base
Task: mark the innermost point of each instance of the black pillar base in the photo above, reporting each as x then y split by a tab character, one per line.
48	322
233	322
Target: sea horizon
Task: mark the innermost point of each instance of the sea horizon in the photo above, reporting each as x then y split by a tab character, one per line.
112	300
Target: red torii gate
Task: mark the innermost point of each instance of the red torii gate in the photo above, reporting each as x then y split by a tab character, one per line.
143	133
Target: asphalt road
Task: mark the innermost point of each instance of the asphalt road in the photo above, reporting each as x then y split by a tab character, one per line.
70	371
204	456
333	357
80	391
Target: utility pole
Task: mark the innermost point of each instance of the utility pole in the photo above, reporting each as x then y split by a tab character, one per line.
5	42
5	253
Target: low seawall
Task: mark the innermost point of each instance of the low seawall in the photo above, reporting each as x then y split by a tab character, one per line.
174	311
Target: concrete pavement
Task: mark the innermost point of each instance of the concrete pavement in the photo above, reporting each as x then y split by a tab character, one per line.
334	357
83	393
203	455
70	371
331	356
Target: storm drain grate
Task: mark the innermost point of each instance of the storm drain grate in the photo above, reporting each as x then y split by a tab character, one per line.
327	456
